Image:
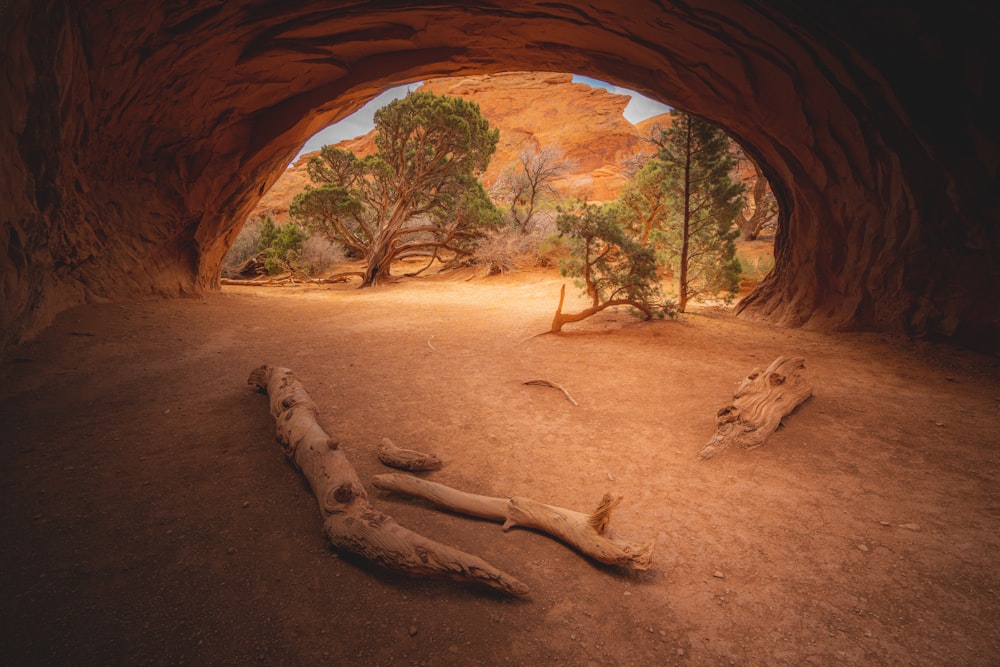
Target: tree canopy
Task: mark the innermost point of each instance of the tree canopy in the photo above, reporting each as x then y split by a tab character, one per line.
611	266
418	196
686	200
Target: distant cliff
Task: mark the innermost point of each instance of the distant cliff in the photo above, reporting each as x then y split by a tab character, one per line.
531	109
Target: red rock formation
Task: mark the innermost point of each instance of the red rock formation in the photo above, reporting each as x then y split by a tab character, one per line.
536	109
136	136
531	109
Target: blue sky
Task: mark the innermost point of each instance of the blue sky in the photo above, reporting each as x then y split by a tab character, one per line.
639	107
361	122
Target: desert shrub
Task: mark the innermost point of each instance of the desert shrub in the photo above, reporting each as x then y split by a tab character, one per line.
552	246
509	249
245	244
504	250
281	244
754	267
285	247
319	255
553	249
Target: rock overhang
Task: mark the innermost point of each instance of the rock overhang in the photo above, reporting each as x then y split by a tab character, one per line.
136	145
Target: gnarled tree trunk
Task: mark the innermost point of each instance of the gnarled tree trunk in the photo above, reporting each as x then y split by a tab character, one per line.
561	318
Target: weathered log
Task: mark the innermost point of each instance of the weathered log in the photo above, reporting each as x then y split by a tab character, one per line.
589	534
254	265
282	281
271	281
406	459
349	520
759	404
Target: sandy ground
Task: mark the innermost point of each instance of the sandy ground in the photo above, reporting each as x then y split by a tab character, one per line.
150	518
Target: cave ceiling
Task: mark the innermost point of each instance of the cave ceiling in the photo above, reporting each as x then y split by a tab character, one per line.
135	137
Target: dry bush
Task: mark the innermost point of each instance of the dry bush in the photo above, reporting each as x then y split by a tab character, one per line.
245	244
508	250
319	255
754	267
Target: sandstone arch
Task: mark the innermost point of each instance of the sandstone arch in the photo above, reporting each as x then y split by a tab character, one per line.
134	136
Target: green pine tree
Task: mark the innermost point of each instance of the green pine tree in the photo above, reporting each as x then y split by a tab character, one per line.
268	234
281	245
703	198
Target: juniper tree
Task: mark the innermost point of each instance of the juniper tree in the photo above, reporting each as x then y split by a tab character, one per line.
760	211
419	195
610	265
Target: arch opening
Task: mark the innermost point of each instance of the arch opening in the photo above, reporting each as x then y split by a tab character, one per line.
593	136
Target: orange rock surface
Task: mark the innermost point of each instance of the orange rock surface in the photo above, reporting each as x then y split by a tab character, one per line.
531	109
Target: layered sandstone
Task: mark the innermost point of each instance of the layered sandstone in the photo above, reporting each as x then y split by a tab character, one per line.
531	110
136	137
539	110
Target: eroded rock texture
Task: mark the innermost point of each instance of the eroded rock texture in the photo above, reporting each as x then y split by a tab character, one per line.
532	110
134	137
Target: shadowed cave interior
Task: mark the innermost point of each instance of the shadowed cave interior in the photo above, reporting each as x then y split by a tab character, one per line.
139	141
149	517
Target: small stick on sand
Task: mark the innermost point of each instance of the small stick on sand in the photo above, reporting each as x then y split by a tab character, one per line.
547	383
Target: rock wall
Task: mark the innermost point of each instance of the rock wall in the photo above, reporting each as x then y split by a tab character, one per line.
134	137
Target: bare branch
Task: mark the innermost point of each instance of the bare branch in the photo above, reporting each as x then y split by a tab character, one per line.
590	534
548	383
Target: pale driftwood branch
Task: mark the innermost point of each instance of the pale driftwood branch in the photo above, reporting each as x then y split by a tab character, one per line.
252	283
761	401
547	383
588	533
289	280
349	520
406	459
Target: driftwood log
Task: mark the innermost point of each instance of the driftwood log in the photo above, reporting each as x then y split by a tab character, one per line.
590	533
287	280
759	404
349	520
406	459
253	266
